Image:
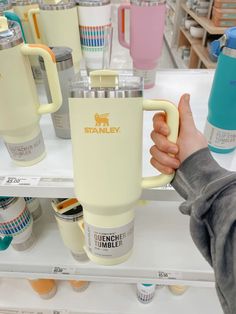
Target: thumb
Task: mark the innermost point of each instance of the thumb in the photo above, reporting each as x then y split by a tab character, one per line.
185	114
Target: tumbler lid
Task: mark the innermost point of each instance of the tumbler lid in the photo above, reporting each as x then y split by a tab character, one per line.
147	2
92	3
24	2
63	57
107	84
10	33
56	5
228	40
61	54
5	201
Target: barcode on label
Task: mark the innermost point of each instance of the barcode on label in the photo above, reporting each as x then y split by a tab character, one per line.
20	181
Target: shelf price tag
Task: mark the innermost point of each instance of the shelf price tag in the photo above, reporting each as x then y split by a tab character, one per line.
64	270
28	311
169	275
20	181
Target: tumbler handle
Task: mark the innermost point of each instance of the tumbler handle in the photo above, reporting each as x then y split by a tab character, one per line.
121	24
34	25
172	118
5	242
52	74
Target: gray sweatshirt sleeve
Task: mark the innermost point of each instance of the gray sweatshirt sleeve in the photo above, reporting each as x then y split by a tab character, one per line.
210	194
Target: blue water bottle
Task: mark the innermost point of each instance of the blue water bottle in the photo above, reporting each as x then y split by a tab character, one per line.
220	129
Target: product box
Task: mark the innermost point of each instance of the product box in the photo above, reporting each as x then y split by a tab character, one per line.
224	14
224	17
223	23
225	4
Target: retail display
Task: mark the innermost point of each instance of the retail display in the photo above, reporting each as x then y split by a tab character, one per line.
45	288
68	213
21	8
79	285
145	292
59	26
34	207
225	4
220	129
16	222
147	20
42	43
60	118
21	131
102	108
95	32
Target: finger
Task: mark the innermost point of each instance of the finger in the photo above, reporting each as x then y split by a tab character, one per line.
159	124
164	158
164	144
161	168
185	113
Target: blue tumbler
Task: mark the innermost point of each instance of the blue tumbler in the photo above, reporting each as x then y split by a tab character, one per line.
220	129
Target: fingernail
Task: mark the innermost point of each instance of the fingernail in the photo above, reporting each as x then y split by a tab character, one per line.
187	98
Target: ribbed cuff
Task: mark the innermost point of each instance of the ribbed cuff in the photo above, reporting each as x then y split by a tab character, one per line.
196	172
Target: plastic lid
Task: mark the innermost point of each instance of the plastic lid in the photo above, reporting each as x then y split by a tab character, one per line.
92	3
227	40
10	37
147	284
54	5
61	54
231	38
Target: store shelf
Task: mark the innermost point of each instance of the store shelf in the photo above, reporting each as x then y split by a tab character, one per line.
191	40
204	22
204	56
54	175
163	252
174	52
104	299
171	4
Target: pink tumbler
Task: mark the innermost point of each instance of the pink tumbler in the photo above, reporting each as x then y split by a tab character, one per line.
147	21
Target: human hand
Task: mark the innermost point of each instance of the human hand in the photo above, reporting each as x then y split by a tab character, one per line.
167	156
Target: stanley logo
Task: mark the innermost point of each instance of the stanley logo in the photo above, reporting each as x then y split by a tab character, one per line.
102	125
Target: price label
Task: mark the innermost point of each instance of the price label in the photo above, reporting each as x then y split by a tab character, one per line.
169	275
64	270
20	181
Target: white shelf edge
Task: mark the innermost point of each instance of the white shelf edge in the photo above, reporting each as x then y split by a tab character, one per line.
106	298
165	268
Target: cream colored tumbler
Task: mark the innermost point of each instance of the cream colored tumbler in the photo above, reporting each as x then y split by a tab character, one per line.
68	213
59	26
21	8
20	109
106	114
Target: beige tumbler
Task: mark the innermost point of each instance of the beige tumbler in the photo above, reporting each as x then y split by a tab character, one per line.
106	115
68	213
59	26
21	8
20	108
